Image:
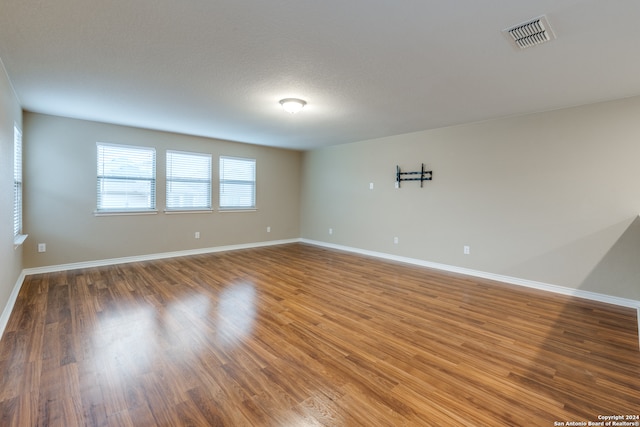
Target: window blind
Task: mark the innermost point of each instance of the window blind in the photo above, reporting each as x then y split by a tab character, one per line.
237	183
126	178
188	181
17	181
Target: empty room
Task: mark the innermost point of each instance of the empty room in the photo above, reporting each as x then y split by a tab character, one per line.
297	213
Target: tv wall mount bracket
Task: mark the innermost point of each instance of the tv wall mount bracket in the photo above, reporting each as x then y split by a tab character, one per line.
422	175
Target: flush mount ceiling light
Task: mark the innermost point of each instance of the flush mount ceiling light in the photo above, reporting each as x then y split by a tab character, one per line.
292	105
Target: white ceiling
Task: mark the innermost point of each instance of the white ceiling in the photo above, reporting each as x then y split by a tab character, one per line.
367	68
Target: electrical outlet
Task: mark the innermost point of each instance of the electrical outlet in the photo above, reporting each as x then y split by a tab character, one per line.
331	231
197	235
269	229
466	250
395	240
371	186
42	247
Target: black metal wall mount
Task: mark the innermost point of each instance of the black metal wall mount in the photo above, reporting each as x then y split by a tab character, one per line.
409	176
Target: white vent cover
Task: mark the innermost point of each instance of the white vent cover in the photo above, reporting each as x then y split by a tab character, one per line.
530	33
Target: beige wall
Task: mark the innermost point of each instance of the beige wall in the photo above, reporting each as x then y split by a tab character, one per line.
60	196
549	197
10	257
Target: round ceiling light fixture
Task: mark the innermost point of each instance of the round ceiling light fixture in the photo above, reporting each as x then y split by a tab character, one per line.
292	105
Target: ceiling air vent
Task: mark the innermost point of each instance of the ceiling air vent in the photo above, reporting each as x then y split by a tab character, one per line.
530	33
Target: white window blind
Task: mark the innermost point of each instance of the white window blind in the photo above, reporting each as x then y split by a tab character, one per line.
188	181
237	183
17	181
126	178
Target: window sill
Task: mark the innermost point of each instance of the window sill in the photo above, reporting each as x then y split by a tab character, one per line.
124	213
187	211
225	210
19	240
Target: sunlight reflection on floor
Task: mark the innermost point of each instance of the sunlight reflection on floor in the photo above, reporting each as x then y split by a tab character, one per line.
126	340
236	313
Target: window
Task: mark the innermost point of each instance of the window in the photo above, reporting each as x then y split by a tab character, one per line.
237	183
126	178
188	181
17	183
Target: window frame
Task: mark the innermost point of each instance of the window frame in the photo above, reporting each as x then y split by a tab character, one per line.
169	181
18	187
152	180
223	181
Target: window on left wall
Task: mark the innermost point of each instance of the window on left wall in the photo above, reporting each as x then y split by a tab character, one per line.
18	237
126	179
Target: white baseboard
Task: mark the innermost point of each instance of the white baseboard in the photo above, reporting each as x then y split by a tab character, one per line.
151	257
579	293
609	299
6	313
8	308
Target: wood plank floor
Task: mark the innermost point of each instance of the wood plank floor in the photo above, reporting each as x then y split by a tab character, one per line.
297	335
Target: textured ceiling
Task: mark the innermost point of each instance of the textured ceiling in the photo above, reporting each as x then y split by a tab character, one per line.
367	68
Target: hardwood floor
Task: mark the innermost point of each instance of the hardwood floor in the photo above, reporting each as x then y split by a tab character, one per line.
297	335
